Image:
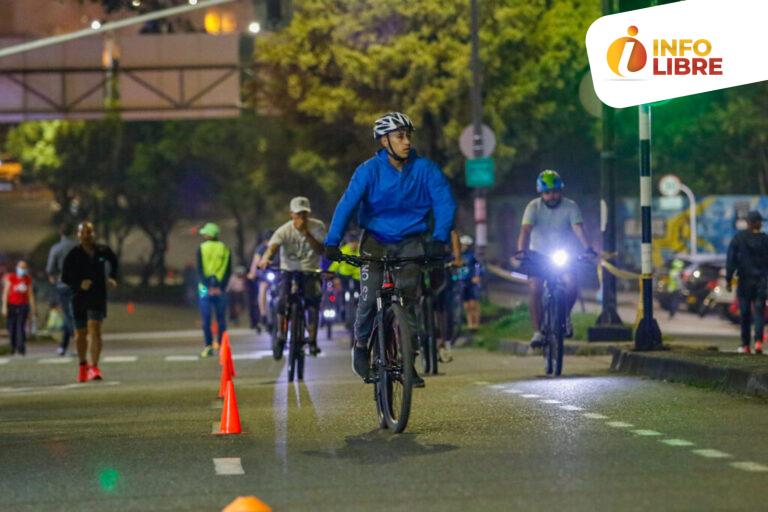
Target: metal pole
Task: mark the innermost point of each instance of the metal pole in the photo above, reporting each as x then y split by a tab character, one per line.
692	213
481	228
107	27
648	334
609	326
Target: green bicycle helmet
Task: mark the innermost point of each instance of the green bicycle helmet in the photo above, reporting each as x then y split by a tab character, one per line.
549	180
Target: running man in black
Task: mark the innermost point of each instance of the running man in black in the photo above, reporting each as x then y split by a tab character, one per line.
85	271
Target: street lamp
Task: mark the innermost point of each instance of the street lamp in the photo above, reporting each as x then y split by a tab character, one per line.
254	27
669	186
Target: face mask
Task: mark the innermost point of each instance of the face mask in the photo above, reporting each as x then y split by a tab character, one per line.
21	272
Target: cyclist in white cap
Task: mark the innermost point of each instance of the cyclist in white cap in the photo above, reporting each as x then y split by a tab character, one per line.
300	243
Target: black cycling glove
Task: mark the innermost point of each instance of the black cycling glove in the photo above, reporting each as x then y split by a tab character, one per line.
332	252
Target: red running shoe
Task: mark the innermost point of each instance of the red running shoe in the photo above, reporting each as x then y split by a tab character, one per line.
82	373
94	373
744	349
758	347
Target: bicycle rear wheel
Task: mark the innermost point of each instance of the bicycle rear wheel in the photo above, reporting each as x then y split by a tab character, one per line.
295	352
558	335
423	337
395	381
432	355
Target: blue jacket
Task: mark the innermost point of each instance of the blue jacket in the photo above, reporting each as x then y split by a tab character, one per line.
393	204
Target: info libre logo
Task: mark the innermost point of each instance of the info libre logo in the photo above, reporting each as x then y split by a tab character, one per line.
671	57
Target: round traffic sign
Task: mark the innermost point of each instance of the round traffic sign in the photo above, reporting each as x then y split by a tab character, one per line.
466	141
669	185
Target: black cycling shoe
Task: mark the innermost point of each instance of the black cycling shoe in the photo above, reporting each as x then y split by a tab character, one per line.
314	349
418	382
361	362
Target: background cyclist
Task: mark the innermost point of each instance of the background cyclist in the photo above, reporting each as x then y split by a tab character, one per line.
551	222
300	249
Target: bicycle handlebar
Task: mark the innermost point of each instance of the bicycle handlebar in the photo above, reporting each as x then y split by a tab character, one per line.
358	261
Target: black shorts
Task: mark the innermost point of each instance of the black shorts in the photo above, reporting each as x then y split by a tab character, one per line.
82	316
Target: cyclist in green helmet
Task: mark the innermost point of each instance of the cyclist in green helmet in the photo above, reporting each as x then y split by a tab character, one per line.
551	222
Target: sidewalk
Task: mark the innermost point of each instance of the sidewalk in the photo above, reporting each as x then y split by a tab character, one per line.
740	373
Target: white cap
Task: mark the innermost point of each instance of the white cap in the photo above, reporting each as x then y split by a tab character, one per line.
300	204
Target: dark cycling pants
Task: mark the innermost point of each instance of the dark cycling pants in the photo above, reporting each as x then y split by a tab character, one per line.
17	322
407	280
751	293
313	294
218	305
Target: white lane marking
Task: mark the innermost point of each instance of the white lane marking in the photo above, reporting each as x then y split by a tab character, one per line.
570	408
5	360
120	359
175	359
258	354
648	433
749	466
513	391
677	442
55	360
529	395
164	335
595	416
84	385
228	466
619	424
550	401
712	454
495	386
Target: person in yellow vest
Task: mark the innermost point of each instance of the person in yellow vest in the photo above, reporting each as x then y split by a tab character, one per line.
214	266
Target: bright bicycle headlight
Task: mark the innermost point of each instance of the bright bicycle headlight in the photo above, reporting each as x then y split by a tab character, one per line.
329	314
270	276
560	258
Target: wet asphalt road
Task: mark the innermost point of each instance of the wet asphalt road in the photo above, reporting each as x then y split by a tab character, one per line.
489	434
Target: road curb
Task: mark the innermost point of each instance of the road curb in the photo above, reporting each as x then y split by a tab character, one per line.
679	369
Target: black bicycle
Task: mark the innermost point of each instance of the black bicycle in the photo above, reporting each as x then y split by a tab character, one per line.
391	346
295	314
552	269
427	331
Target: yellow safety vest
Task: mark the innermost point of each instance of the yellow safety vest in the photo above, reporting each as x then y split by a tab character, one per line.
214	256
345	269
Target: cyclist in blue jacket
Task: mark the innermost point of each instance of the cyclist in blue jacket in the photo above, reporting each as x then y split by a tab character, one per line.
394	194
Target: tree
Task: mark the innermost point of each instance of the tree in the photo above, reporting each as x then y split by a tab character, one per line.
340	63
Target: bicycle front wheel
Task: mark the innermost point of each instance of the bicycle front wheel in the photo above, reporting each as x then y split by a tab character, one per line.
396	376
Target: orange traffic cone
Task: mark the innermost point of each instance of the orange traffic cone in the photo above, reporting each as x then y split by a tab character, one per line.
230	417
224	347
225	356
225	377
247	504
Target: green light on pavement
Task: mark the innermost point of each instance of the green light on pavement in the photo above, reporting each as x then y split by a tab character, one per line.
108	480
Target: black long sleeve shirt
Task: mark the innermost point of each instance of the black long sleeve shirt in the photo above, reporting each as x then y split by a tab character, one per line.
79	266
747	256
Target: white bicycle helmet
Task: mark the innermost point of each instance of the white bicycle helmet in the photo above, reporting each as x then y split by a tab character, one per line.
390	122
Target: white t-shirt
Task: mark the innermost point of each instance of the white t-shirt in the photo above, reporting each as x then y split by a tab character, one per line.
552	227
295	251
